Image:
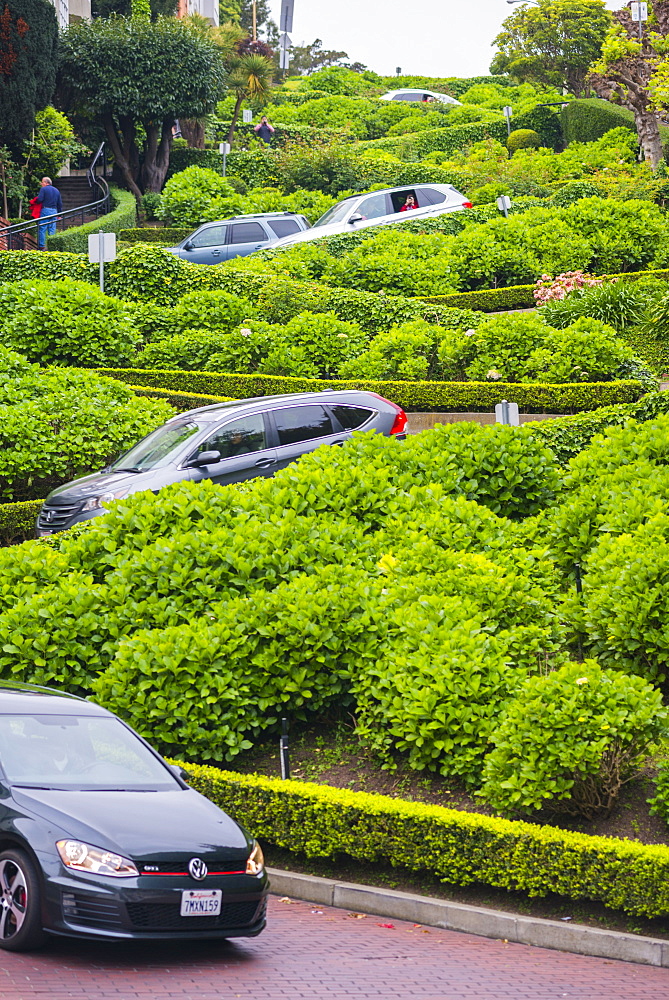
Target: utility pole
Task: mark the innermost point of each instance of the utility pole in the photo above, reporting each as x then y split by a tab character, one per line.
255	25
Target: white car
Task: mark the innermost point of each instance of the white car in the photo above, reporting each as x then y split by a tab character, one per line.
426	96
381	208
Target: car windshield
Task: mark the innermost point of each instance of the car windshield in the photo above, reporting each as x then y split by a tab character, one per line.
335	214
95	753
154	449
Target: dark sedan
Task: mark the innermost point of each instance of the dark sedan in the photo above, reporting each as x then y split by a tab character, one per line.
226	442
100	838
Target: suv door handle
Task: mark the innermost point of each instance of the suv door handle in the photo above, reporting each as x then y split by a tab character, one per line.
215	253
339	442
264	463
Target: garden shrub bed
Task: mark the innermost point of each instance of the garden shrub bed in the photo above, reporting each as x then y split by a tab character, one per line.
521	296
412	396
17	521
462	848
122	216
180	400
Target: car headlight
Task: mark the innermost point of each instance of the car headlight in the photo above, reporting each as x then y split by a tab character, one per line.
256	861
84	858
94	502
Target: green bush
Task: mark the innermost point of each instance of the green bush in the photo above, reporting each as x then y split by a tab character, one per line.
571	740
148	273
66	323
412	352
660	802
590	118
197	195
573	191
167	236
151	204
523	138
17	522
460	848
524	348
122	216
58	424
621	304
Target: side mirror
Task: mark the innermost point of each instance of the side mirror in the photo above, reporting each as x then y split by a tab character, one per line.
179	771
205	458
187	246
355	218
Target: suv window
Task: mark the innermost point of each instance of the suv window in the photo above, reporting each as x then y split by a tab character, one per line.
430	196
399	200
407	97
238	437
373	208
246	232
214	236
302	423
351	417
284	227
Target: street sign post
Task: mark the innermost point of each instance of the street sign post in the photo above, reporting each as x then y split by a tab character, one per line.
224	148
508	114
639	12
286	17
507	413
504	204
102	250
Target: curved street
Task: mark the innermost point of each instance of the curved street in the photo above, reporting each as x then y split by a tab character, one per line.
320	952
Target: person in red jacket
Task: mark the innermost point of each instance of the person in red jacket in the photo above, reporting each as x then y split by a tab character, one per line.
409	204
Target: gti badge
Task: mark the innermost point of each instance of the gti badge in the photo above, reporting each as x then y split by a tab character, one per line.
197	868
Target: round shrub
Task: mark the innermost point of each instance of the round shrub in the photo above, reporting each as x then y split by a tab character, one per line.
217	311
147	273
196	195
58	424
523	138
571	740
66	322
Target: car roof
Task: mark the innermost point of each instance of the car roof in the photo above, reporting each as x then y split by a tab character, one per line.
323	395
17	698
421	90
251	215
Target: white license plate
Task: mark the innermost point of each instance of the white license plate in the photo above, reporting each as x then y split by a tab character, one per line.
201	902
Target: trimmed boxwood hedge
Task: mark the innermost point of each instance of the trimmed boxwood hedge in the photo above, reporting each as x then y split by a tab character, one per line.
170	237
17	521
412	396
75	240
458	847
180	400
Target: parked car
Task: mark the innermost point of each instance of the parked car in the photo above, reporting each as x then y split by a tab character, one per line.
86	852
239	236
411	94
381	208
226	442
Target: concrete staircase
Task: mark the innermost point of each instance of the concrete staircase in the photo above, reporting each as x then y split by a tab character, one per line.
75	191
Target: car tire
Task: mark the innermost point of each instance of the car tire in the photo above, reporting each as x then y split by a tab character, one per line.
20	903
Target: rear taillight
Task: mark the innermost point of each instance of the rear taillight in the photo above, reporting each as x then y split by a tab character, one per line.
467	204
400	422
401	419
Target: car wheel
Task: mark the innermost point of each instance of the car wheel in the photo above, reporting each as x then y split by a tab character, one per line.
20	910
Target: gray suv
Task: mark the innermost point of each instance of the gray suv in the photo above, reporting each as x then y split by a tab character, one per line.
239	236
225	442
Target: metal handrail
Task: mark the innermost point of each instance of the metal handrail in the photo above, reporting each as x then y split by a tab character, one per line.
99	207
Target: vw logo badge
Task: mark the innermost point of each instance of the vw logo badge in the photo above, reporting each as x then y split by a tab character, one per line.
197	869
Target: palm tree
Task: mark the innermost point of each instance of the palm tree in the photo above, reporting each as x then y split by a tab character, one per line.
250	76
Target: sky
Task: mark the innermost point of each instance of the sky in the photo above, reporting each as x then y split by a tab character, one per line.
423	37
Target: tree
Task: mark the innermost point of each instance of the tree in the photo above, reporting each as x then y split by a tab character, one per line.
107	8
139	77
310	58
251	76
28	40
553	42
633	73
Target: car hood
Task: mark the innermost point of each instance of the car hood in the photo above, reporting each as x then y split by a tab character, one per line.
139	824
101	482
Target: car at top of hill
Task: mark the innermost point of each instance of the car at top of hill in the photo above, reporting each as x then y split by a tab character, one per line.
425	96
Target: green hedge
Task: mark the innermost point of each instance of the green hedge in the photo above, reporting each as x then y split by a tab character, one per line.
180	400
520	296
170	237
17	521
186	156
412	396
445	140
591	118
75	240
17	265
460	848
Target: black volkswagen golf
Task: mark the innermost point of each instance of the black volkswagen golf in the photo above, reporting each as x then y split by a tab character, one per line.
100	838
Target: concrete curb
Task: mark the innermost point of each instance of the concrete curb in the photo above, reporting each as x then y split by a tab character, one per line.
575	938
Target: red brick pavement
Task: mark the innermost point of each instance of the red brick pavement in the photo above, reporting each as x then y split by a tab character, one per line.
324	954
